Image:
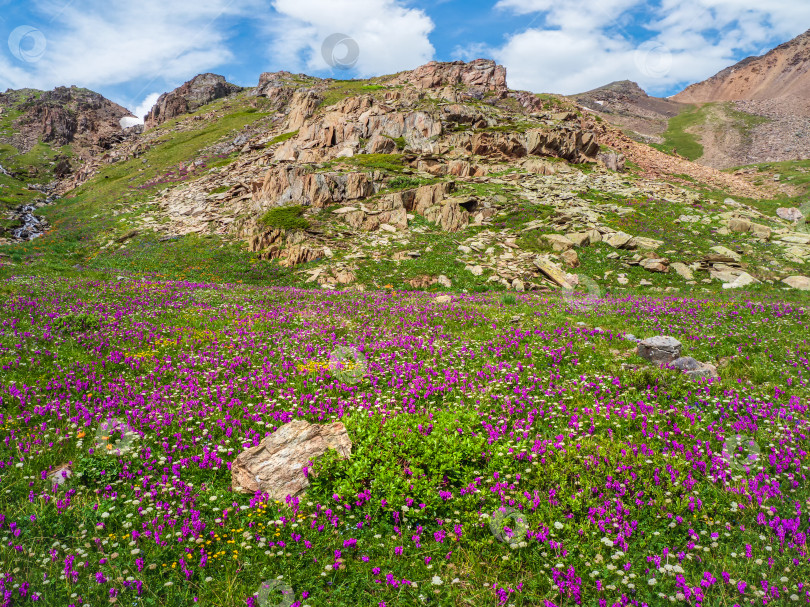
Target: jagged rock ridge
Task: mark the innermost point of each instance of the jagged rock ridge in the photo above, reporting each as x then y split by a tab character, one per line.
202	89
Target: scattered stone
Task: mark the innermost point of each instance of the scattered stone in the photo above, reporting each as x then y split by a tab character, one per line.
611	161
802	283
735	279
790	214
761	231
659	349
444	281
683	270
475	270
739	225
553	272
276	465
726	252
655	265
443	299
618	240
580	239
558	242
570	258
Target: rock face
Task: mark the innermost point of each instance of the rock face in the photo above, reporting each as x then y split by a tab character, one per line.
660	349
65	115
198	91
276	465
482	74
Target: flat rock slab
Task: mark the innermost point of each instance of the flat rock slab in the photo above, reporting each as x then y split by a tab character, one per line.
275	466
659	349
801	283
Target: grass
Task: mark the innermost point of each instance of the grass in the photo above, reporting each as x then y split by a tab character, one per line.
676	139
285	218
487	466
108	205
383	162
281	138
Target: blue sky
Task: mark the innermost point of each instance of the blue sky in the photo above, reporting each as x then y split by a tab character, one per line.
132	52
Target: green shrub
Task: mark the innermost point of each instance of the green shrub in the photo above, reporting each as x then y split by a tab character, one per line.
508	300
384	162
285	218
404	182
281	138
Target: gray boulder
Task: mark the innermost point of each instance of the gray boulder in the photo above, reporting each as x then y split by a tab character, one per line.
659	349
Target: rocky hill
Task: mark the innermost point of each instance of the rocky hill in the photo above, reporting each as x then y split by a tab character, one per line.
629	107
754	112
783	73
431	179
202	89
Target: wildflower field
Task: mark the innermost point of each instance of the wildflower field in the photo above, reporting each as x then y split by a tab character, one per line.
505	451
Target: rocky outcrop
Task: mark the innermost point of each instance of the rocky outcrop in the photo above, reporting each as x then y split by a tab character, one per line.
358	124
301	185
63	116
279	465
571	144
202	89
567	142
480	74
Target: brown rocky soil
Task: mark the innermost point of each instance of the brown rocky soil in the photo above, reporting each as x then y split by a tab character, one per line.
784	72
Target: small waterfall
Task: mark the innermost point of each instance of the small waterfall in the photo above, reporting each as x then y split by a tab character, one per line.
32	226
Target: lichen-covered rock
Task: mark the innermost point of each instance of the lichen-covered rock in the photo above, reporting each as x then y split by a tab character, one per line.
276	465
660	349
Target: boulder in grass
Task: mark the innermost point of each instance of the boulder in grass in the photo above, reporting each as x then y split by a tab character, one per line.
659	349
802	283
790	214
694	368
276	465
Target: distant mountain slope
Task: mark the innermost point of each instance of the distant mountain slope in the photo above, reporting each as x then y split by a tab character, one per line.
626	105
783	72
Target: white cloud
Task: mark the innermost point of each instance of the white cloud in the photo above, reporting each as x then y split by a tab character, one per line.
389	37
578	45
141	110
97	43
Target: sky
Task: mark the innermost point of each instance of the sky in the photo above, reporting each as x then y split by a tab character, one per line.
133	52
